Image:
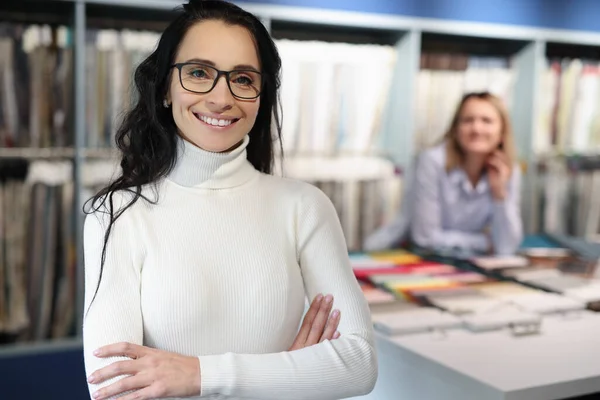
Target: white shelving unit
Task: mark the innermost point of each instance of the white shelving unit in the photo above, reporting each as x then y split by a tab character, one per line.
399	119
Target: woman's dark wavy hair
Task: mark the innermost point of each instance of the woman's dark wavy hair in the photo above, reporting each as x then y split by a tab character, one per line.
147	137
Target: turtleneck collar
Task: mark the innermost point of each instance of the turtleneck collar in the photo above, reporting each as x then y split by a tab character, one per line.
196	167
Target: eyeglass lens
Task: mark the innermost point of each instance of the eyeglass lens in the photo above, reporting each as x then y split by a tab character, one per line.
201	79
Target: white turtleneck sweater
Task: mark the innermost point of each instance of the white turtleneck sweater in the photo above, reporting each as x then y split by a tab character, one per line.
220	269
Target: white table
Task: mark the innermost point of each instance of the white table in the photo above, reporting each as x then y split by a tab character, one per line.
561	362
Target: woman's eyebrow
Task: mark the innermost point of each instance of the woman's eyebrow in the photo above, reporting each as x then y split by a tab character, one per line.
212	64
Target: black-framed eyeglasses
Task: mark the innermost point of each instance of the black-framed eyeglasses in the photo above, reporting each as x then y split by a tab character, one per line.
201	78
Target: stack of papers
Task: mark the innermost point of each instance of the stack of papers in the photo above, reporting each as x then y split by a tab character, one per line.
496	263
588	293
415	321
499	320
468	304
547	303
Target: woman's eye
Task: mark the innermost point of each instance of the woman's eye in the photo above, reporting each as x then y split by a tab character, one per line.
198	73
243	80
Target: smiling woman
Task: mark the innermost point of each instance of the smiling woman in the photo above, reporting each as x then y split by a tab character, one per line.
197	260
465	192
227	108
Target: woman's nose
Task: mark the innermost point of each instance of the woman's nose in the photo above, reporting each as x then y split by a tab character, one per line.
220	97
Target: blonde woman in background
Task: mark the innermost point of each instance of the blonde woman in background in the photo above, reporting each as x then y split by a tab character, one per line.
465	191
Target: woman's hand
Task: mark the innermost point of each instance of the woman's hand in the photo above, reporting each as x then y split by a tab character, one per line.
153	373
498	174
150	373
317	325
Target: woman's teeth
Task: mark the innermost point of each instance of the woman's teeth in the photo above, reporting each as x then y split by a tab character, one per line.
215	121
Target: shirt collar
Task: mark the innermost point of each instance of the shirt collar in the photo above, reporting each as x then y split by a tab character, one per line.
196	167
458	177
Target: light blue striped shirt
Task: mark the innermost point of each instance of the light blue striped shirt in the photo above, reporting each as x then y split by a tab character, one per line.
444	211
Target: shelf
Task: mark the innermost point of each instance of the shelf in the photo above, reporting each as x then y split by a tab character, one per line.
36	11
340	168
101	153
109	16
470	45
556	50
37	153
146	4
328	33
55	153
343	19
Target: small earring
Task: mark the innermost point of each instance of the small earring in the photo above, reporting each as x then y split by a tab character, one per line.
165	103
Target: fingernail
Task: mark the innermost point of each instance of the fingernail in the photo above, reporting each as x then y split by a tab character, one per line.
336	313
97	352
319	297
328	298
336	334
96	395
91	379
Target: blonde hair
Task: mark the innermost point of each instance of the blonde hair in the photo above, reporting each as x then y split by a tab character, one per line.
455	154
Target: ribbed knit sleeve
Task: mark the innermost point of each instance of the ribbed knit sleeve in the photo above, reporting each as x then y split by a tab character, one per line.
115	314
124	310
336	369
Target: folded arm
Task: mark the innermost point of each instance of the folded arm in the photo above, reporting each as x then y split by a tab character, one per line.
329	370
